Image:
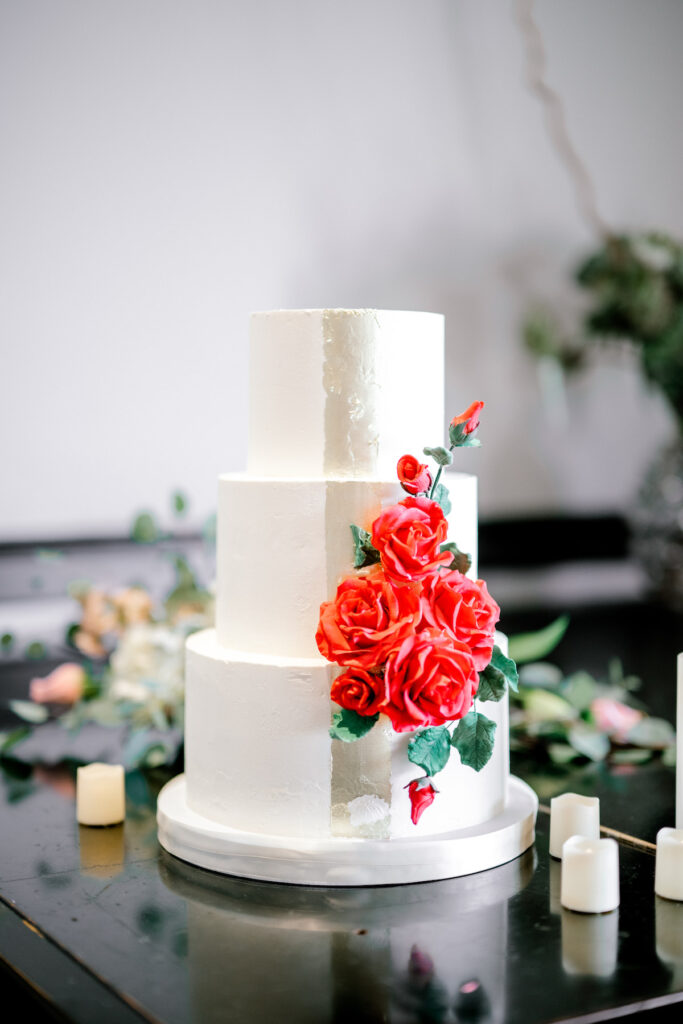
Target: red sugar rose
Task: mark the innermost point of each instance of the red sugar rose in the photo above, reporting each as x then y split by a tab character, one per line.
470	418
413	475
430	680
369	617
464	609
408	537
421	793
359	691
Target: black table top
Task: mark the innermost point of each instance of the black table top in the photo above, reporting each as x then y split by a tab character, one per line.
101	924
103	921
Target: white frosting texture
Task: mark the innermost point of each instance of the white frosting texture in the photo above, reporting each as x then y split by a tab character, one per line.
284	545
337	396
343	392
257	743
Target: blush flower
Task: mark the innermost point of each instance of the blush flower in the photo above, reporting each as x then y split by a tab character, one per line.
409	536
64	685
614	718
359	691
413	475
431	679
464	609
369	617
421	793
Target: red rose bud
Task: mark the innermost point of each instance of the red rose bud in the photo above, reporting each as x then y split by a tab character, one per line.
421	793
359	691
465	424
414	476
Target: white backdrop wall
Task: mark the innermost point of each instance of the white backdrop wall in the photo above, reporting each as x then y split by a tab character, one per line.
168	166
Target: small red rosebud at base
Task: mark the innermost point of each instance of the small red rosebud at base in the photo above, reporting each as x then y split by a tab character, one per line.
421	793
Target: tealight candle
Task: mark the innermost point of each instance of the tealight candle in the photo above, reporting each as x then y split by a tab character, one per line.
590	875
669	864
100	794
573	815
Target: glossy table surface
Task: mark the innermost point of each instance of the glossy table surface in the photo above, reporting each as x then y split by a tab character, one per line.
102	922
101	925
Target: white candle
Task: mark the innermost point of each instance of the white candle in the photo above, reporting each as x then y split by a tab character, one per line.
572	815
679	744
590	875
669	864
100	794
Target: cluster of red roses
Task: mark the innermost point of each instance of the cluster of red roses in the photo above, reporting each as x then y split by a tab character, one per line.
411	634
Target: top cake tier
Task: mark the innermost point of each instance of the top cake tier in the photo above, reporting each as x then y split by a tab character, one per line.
343	392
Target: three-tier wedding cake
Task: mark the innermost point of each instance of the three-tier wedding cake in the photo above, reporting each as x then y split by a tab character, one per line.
270	790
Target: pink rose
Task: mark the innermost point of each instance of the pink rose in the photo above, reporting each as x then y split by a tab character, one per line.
613	717
64	685
409	536
464	609
369	617
359	691
430	680
469	418
421	793
414	476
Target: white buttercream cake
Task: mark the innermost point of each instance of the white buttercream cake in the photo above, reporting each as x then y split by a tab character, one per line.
336	397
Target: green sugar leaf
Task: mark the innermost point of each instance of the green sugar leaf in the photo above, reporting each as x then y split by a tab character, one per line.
492	685
349	726
461	561
459	437
535	646
501	669
442	498
430	749
473	738
363	551
441	456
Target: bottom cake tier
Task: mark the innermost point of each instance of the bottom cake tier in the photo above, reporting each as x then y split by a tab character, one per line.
260	761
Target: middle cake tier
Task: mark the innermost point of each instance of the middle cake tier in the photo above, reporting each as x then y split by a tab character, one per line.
283	545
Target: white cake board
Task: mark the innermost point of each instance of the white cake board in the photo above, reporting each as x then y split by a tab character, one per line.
341	861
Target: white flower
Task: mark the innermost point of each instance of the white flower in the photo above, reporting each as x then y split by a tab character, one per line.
149	658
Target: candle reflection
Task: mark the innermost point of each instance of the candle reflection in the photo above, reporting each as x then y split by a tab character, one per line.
102	850
589	943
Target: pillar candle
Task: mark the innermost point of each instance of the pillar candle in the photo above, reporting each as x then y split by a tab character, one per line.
573	815
669	864
590	875
100	794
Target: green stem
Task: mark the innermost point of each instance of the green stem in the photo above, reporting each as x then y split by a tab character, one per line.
436	480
